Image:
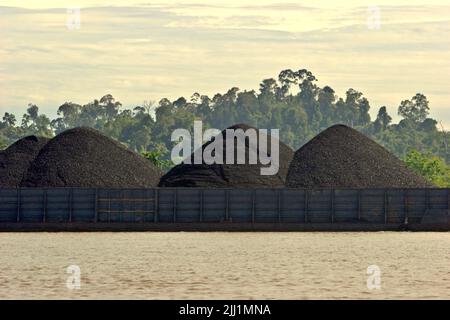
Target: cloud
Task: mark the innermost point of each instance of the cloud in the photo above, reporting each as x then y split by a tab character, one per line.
146	53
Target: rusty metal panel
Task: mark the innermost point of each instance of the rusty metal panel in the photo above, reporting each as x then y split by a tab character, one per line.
125	205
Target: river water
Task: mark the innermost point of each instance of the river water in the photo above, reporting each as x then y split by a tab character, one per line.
222	265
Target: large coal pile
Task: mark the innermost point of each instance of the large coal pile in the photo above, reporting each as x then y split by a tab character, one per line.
229	175
83	157
16	159
341	157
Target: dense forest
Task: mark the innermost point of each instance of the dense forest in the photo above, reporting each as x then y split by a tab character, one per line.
293	102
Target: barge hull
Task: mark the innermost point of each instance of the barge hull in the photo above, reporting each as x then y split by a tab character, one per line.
215	227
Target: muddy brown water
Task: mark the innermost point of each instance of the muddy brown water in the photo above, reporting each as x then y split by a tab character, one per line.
220	265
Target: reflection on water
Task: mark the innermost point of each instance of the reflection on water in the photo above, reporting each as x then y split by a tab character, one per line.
224	265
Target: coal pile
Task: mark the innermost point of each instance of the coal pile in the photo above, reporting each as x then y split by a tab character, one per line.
341	157
16	159
83	157
229	175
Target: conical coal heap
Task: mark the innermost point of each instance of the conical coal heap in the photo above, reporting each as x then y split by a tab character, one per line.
229	175
83	157
341	157
16	159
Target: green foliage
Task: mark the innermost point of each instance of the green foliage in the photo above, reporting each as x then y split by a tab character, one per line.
416	109
431	167
3	144
291	102
155	157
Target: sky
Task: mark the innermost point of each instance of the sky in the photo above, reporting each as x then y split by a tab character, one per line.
143	51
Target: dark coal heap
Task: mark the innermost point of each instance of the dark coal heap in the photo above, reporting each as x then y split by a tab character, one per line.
229	175
341	157
16	159
83	157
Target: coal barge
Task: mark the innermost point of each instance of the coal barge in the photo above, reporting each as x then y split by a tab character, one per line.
199	209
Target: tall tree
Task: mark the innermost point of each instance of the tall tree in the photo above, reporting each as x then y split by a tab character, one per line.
9	119
383	119
416	109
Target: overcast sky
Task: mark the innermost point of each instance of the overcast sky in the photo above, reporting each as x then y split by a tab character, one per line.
149	50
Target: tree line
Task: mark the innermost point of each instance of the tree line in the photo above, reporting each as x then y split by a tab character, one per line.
293	102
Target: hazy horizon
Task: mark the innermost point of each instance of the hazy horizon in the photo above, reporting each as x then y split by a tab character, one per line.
147	51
